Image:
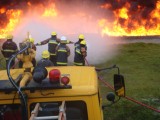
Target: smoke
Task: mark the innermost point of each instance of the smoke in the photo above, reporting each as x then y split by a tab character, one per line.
81	20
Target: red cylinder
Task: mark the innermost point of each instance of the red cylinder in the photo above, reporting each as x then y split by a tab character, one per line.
54	76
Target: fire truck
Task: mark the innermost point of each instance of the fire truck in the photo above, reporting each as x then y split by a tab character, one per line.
58	93
77	99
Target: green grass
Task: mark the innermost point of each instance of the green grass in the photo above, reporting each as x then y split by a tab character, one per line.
140	65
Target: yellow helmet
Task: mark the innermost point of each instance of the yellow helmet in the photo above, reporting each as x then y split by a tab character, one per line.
81	36
45	54
54	33
9	36
83	42
31	40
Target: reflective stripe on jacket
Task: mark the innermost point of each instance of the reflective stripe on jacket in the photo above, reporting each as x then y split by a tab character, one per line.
78	57
9	48
52	46
62	55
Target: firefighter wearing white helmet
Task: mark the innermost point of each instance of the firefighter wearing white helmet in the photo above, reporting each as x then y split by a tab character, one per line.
45	62
53	41
62	51
80	51
9	48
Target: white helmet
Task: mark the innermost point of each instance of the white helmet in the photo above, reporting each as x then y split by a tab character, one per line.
63	39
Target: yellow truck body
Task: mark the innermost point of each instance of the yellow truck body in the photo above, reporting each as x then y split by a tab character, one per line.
84	92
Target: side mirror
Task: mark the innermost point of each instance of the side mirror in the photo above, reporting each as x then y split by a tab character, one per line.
119	85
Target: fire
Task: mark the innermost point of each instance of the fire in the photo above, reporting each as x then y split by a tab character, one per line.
50	11
14	19
123	13
16	15
124	25
2	10
122	22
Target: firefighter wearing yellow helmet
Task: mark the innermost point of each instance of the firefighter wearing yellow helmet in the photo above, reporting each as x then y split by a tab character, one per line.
80	51
9	48
32	46
45	62
26	59
31	40
45	54
52	44
81	37
83	49
83	42
53	33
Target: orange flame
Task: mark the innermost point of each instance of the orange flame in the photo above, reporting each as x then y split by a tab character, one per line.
14	16
122	25
50	11
2	10
116	29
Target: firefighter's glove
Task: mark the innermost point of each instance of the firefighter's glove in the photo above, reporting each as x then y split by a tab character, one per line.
37	44
70	42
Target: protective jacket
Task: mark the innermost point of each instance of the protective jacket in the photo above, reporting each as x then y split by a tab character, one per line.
33	59
9	48
27	58
62	52
79	56
52	44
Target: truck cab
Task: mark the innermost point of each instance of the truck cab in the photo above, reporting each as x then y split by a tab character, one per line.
77	100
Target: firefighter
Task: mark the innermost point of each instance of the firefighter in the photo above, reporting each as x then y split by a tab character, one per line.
52	44
83	48
9	48
62	51
31	40
26	57
80	51
45	62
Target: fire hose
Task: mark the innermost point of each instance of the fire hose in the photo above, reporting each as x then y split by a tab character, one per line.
22	96
15	64
126	97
